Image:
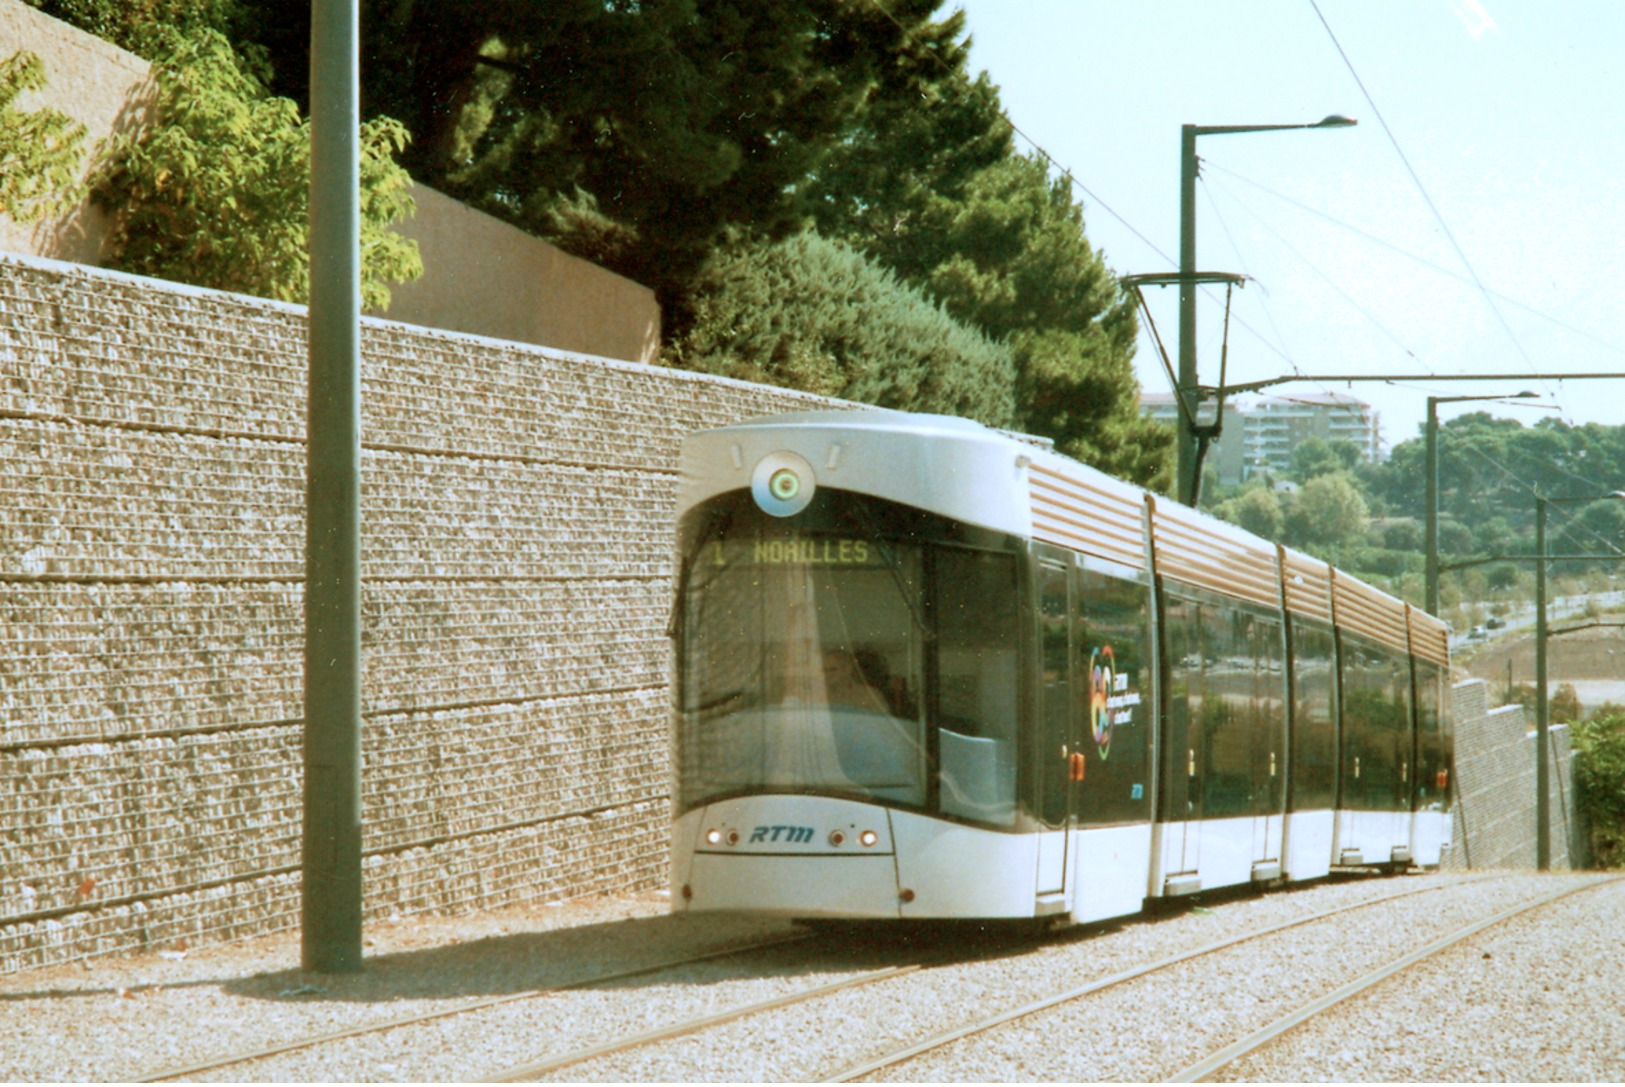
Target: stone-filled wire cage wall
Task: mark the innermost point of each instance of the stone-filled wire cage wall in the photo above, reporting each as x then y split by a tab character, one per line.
517	512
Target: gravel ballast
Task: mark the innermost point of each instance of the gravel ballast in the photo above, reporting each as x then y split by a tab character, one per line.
1534	998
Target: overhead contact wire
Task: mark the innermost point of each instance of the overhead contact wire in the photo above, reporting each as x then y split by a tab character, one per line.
1438	217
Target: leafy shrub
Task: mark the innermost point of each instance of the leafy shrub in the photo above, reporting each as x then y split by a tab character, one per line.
215	190
809	313
39	149
1599	775
1257	510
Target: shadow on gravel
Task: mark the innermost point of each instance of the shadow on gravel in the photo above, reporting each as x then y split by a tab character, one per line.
589	955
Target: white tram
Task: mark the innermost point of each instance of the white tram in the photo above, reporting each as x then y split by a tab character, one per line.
928	670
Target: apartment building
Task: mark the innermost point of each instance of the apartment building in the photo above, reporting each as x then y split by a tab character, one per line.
1260	432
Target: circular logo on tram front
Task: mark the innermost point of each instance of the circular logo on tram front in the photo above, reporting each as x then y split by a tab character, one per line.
1103	676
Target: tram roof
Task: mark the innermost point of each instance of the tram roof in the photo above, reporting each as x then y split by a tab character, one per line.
1183	535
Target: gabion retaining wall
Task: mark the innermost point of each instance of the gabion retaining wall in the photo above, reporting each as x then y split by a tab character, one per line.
517	508
1494	813
516	521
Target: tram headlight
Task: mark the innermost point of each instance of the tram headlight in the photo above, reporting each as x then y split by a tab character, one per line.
713	837
868	838
783	484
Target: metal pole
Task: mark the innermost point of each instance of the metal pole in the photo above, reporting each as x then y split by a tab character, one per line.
1431	544
331	905
1185	442
1543	814
1431	516
1186	387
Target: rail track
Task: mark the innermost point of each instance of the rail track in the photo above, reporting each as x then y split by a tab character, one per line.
669	965
1265	1036
378	1026
903	970
547	1065
1256	1040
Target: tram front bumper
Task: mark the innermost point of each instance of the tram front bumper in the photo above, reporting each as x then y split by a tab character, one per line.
792	886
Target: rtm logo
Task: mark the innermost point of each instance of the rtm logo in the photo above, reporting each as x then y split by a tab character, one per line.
787	834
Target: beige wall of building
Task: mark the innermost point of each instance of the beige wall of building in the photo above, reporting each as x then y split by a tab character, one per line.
485	277
97	84
481	276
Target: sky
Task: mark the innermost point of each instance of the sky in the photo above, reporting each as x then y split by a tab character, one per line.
1473	222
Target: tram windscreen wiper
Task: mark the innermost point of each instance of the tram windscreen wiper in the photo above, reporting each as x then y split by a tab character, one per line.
675	615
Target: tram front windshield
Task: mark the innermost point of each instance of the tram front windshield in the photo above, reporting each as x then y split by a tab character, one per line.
804	666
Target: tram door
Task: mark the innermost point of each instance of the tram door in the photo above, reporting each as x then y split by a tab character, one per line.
1055	720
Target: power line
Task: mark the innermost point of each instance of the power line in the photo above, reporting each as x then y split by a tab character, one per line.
1423	261
1338	290
1525	485
1269	313
1461	254
1063	171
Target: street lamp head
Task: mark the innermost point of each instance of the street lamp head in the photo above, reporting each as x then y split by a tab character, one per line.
1335	120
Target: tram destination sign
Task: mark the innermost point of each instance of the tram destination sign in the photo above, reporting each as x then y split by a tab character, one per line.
796	551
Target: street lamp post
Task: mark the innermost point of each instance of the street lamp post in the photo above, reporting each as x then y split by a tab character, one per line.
1187	384
1543	806
330	855
1431	515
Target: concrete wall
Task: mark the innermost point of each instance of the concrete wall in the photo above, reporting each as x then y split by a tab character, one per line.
480	274
1495	787
99	85
486	277
517	517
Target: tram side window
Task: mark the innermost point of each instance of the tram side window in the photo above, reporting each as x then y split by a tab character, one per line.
1242	720
1226	708
1376	726
977	640
1433	745
1314	725
1114	699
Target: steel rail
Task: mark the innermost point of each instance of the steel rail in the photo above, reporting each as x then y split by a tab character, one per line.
936	1041
381	1025
551	1064
1265	1035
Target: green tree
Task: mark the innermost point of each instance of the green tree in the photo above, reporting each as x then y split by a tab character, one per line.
809	313
1403	534
1564	705
1317	456
921	139
1326	512
1005	250
214	191
1490	471
1257	510
668	119
1599	775
140	25
40	150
